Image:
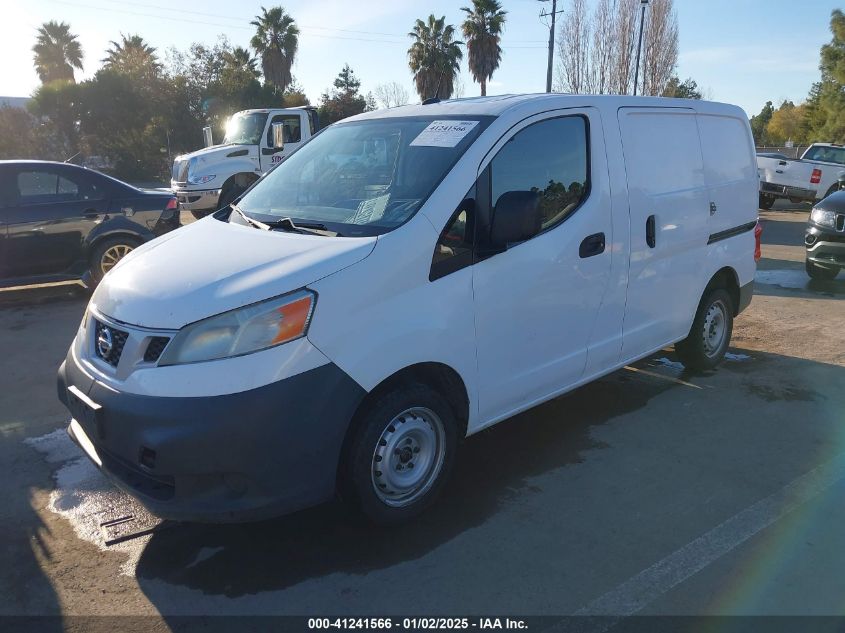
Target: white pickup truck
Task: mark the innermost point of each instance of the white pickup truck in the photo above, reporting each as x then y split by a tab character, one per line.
812	177
213	177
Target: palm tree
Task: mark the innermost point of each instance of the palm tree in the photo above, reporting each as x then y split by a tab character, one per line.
482	31
276	40
132	55
240	60
434	58
57	52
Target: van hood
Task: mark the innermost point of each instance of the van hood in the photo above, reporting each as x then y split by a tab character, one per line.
210	266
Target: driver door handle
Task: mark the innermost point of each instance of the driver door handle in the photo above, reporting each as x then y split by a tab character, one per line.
592	245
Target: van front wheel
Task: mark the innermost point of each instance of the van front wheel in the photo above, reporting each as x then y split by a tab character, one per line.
710	334
401	454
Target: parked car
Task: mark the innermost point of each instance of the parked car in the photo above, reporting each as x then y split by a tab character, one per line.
825	237
213	177
810	178
351	320
61	222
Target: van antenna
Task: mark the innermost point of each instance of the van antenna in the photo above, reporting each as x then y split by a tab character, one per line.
435	98
67	160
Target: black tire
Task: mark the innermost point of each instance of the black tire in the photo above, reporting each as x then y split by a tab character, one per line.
228	196
822	273
107	253
766	202
199	214
701	350
359	475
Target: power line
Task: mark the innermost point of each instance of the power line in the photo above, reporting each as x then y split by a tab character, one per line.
398	38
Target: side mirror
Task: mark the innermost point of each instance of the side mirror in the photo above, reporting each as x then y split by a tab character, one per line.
206	136
279	136
516	218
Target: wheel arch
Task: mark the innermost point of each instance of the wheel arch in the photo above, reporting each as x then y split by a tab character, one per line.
726	278
241	179
439	376
98	239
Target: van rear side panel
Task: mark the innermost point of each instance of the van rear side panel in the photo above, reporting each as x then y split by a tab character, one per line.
730	170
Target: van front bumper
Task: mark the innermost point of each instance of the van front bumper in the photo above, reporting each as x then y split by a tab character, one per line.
236	457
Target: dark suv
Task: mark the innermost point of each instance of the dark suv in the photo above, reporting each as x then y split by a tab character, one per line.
825	237
61	222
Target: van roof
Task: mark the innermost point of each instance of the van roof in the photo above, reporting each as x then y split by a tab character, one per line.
497	105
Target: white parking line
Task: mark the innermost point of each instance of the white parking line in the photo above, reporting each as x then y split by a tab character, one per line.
653	582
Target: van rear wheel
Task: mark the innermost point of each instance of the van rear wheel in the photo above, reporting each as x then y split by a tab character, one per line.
710	334
401	454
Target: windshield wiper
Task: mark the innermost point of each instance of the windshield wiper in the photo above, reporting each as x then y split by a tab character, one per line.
286	224
312	228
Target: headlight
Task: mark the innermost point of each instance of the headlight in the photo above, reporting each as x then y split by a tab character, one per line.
200	180
823	218
242	331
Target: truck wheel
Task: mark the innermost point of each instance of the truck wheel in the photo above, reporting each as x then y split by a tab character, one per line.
228	196
401	454
822	273
710	334
766	202
106	255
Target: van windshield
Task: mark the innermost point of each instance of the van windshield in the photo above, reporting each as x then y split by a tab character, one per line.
245	129
363	177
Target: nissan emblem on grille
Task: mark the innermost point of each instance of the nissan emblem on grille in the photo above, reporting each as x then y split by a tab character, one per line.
104	343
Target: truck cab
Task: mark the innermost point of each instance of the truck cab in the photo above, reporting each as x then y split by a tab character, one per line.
213	177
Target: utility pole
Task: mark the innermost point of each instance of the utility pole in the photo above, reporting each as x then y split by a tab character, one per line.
643	4
551	42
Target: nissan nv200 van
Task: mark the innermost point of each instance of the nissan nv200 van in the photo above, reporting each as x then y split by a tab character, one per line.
407	278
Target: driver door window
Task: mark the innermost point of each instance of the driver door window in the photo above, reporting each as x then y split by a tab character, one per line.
292	131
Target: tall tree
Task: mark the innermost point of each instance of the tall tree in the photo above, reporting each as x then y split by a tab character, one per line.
686	89
603	47
434	57
660	47
574	49
240	60
759	123
132	56
344	100
276	41
482	31
57	52
624	52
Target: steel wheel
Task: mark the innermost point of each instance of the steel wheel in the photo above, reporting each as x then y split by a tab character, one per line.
715	328
112	255
408	456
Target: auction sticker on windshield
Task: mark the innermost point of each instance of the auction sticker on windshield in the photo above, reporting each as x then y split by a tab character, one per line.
443	133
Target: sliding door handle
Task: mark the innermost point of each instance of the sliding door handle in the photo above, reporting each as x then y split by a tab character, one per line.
650	235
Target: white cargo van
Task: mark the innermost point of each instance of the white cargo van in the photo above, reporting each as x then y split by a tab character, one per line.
406	279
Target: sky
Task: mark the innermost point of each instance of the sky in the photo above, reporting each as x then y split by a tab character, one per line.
744	52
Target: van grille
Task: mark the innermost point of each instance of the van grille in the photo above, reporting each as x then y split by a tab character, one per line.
180	171
109	342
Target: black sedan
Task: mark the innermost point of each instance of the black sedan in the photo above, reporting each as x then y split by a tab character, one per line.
61	222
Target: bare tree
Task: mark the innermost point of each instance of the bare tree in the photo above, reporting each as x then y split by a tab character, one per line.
573	71
603	47
660	47
391	94
624	52
598	52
